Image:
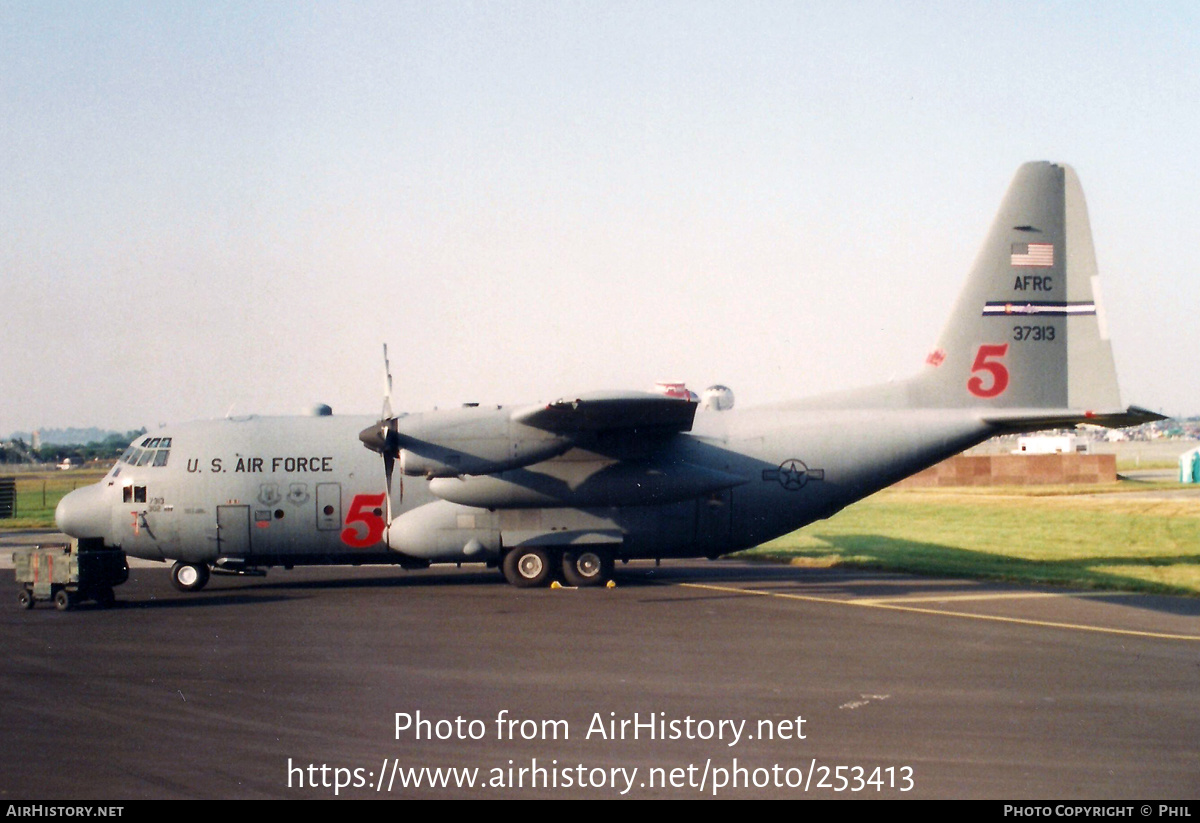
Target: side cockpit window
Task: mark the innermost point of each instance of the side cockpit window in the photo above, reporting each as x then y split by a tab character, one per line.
133	494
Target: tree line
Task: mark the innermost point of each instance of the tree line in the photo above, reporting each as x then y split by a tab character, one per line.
110	448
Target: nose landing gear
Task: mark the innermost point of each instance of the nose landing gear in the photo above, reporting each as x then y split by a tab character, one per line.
189	577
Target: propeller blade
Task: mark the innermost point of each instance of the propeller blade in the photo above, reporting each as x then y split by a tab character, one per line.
387	386
388	463
384	438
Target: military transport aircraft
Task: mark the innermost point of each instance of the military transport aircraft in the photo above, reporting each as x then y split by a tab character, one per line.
568	487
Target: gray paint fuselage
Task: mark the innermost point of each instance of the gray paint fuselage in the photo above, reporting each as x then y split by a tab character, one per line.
259	489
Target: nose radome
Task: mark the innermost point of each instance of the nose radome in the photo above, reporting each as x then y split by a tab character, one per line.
83	513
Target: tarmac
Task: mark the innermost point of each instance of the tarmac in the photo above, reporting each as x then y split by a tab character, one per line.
693	679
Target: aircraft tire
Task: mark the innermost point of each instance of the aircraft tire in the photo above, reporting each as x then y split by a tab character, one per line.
25	599
189	577
587	567
528	568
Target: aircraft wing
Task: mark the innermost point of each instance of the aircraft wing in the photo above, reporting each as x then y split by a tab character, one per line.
1038	419
607	411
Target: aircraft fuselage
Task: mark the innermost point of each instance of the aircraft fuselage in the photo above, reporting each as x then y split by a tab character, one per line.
265	491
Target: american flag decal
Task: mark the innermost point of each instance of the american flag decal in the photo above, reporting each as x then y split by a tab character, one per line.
1033	254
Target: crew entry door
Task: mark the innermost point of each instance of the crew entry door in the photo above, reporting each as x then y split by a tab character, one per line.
233	531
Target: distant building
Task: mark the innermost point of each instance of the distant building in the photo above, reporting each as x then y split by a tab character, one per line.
1052	444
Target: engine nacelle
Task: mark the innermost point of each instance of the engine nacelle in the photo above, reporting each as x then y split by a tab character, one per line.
472	441
586	485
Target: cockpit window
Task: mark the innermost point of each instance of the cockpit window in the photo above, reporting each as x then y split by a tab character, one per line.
148	456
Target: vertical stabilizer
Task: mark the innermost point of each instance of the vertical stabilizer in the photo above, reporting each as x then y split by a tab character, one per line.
1092	374
1028	330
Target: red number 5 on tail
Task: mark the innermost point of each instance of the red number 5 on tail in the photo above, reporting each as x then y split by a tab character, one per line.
993	366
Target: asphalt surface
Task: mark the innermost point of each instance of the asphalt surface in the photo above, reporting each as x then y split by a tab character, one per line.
946	688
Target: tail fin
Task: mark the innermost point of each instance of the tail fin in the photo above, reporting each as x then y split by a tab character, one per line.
1028	330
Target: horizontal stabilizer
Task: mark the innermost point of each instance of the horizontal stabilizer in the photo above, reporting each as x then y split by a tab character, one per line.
1015	420
604	411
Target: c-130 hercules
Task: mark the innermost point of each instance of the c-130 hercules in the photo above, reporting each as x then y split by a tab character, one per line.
567	488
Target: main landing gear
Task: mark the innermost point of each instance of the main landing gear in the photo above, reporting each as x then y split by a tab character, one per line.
189	577
528	567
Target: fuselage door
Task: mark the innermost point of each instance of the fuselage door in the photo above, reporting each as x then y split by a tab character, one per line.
329	506
233	531
714	519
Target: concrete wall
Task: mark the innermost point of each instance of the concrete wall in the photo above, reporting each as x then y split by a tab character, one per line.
1017	470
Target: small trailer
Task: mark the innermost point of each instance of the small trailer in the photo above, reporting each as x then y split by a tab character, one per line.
66	575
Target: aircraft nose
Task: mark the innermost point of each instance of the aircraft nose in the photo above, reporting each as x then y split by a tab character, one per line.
83	513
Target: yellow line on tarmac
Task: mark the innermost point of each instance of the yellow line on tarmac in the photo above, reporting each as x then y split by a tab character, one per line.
993	596
874	604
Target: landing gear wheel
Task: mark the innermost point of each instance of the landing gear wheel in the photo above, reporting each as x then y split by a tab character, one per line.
63	600
587	567
25	599
527	568
189	577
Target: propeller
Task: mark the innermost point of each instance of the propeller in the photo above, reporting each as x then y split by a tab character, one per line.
384	437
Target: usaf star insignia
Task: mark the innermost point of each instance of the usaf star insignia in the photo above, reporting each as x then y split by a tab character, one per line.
793	474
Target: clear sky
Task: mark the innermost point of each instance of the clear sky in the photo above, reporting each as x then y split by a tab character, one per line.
212	205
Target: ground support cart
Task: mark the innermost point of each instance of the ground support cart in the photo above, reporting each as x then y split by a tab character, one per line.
65	574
